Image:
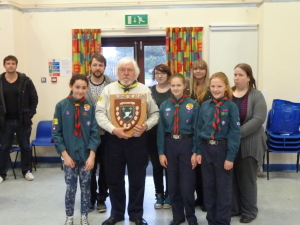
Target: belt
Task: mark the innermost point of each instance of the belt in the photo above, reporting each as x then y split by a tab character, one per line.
179	136
216	142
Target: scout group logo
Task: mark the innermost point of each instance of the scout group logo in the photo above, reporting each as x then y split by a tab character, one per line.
127	112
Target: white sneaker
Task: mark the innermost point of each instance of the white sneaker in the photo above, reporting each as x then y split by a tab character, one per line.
84	220
29	176
69	220
1	179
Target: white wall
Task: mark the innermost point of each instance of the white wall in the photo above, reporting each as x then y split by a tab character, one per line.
36	36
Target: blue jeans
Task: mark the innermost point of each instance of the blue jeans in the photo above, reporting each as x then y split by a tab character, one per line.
71	176
7	136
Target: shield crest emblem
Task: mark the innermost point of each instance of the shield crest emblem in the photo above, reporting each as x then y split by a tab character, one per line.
128	110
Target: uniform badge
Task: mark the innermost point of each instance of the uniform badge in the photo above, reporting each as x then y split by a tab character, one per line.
223	122
86	107
167	114
67	113
100	98
84	113
53	127
189	106
88	123
168	109
55	121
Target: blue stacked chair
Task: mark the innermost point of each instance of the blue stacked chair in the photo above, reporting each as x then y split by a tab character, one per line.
283	129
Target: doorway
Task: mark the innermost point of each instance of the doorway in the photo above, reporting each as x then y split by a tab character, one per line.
147	51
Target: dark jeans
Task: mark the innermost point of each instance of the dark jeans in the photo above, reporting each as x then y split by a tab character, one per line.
217	184
119	154
244	198
181	178
101	185
7	136
158	170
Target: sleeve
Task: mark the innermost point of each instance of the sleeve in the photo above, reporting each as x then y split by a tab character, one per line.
234	132
33	98
57	130
195	138
259	114
161	131
94	141
152	111
199	129
102	110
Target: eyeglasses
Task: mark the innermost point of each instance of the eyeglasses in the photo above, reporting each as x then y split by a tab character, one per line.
160	74
126	70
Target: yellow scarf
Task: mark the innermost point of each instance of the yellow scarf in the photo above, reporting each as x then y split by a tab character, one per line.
126	89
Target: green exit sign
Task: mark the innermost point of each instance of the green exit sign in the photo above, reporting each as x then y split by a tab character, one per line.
136	20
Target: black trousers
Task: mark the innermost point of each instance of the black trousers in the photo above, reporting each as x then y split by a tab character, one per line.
158	170
181	178
217	184
7	136
101	184
244	198
120	153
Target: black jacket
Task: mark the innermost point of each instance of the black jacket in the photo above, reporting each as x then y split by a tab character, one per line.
28	100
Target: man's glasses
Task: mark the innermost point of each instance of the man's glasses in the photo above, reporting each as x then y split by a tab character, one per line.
126	70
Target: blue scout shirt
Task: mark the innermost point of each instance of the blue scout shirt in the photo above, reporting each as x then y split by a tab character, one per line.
188	113
229	123
63	129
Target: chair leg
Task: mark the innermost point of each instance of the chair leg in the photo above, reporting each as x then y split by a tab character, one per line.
33	159
16	159
268	164
13	168
297	165
34	155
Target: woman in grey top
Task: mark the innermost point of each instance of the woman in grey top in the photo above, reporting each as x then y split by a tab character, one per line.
253	112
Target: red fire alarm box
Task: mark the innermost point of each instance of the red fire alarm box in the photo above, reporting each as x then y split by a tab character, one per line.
53	79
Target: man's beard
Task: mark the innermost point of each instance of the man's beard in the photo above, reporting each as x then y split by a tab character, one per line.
97	75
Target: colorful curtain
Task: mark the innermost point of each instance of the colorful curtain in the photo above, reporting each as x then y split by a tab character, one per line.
183	47
85	42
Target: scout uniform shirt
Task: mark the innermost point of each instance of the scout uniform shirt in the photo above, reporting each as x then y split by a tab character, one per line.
229	124
78	147
188	113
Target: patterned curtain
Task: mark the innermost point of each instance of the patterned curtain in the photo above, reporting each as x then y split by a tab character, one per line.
183	47
85	42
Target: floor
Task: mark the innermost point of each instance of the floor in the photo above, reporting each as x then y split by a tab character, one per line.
41	202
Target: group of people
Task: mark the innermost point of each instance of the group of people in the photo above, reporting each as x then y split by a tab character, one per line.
204	135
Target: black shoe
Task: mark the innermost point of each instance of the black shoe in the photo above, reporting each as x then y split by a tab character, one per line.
91	207
193	223
138	221
111	221
203	208
197	202
246	219
176	222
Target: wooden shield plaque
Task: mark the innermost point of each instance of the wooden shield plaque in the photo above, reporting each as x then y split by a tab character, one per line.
128	110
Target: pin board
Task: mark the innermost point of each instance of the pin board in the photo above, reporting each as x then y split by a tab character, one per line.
230	45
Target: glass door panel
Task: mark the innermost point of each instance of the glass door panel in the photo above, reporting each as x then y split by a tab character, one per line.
153	56
147	51
113	55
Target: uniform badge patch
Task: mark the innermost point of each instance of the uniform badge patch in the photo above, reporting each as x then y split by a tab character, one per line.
55	121
189	106
86	107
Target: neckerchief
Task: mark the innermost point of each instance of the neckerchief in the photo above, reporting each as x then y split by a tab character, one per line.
126	89
216	121
76	103
176	116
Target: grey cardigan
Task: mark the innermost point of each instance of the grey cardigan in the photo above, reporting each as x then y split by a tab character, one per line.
88	96
253	137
